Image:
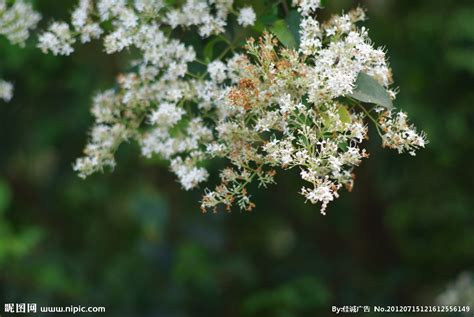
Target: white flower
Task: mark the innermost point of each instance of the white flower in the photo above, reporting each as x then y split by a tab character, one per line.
267	122
90	31
174	18
189	176
324	192
128	19
166	115
109	8
117	41
458	292
149	6
246	16
286	104
217	71
310	36
58	39
17	20
306	7
215	149
82	22
211	25
80	14
234	67
399	135
6	90
358	130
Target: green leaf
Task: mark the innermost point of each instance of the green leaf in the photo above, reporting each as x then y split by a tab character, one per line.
209	48
343	146
369	90
283	33
293	22
344	114
266	20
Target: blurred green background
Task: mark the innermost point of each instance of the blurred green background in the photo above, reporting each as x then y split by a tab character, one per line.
134	242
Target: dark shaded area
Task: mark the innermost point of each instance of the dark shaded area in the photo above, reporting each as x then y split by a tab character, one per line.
134	242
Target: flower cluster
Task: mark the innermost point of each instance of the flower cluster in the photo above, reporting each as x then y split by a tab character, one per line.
294	109
306	7
153	105
459	293
267	122
399	135
270	108
16	22
142	24
6	90
246	17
